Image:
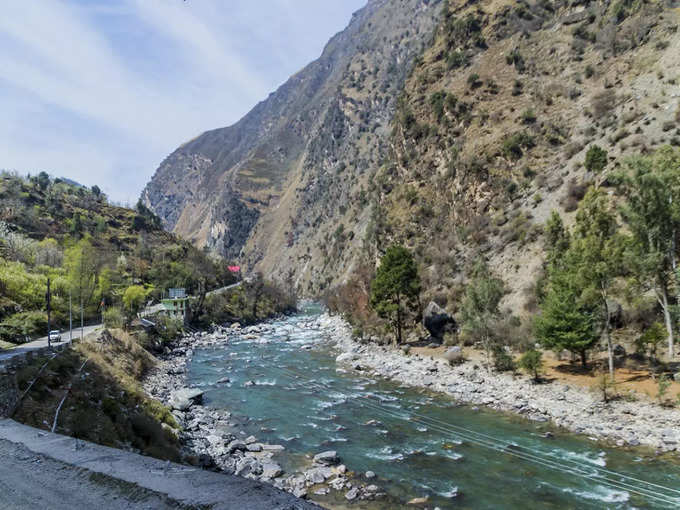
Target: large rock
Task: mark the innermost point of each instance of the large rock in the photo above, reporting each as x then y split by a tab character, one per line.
186	397
328	458
454	355
437	322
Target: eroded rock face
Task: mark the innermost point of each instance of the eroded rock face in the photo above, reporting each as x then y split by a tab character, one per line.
437	322
330	118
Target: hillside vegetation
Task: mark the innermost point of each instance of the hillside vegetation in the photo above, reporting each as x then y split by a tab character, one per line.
110	258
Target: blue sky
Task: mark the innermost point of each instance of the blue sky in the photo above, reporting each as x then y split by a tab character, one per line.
101	91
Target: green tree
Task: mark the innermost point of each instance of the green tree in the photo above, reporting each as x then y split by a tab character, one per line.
556	238
600	249
480	306
134	299
43	180
395	287
652	212
82	266
648	342
532	363
566	321
596	159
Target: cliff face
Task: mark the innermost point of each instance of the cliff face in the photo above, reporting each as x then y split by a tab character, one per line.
278	181
452	127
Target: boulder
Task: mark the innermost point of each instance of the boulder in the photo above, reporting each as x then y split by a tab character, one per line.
327	458
271	470
437	322
454	355
352	494
370	474
186	397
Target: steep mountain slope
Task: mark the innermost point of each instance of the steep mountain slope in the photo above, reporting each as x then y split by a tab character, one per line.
496	120
281	179
452	127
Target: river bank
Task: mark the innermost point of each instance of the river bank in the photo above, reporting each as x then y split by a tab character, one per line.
622	423
211	439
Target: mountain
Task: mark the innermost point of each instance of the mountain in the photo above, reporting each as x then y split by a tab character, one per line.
277	185
452	127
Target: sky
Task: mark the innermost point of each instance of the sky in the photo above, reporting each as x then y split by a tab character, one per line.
101	91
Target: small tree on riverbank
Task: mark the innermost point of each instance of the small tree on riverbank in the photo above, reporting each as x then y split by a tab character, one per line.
396	286
532	363
480	310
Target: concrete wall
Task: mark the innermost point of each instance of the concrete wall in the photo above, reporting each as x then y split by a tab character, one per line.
9	391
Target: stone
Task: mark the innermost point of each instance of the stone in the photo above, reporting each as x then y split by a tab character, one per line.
438	322
251	440
254	447
327	458
235	325
183	399
271	470
418	501
370	474
273	447
619	350
236	445
352	494
342	469
223	380
454	355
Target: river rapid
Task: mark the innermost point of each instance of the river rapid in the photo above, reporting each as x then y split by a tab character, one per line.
284	387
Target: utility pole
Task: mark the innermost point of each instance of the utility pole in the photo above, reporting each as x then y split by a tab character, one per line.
70	318
47	298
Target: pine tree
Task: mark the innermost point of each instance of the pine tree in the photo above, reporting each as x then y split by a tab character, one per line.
396	286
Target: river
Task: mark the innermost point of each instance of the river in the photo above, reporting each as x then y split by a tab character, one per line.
286	389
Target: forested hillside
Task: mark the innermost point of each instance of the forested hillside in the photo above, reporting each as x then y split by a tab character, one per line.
91	251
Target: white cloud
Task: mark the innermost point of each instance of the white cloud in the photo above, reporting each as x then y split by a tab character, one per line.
103	92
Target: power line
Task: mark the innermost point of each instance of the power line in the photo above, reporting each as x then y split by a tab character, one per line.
502	447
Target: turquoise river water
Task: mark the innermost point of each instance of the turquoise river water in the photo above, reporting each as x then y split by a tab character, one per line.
419	444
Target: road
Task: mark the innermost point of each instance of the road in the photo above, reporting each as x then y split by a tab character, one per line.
42	342
44	470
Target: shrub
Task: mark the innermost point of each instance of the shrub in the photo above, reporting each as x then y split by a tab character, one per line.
515	58
502	361
596	159
474	81
513	145
23	324
113	318
528	116
532	362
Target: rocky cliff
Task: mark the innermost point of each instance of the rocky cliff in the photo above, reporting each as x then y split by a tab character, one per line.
276	186
453	127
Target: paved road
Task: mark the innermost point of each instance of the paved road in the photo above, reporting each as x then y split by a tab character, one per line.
42	342
222	289
29	480
39	469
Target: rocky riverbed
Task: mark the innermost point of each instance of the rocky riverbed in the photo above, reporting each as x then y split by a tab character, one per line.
211	439
623	423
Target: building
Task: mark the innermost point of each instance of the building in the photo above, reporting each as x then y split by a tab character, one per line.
176	305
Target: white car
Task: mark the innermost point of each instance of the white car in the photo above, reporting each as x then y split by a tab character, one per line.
55	335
